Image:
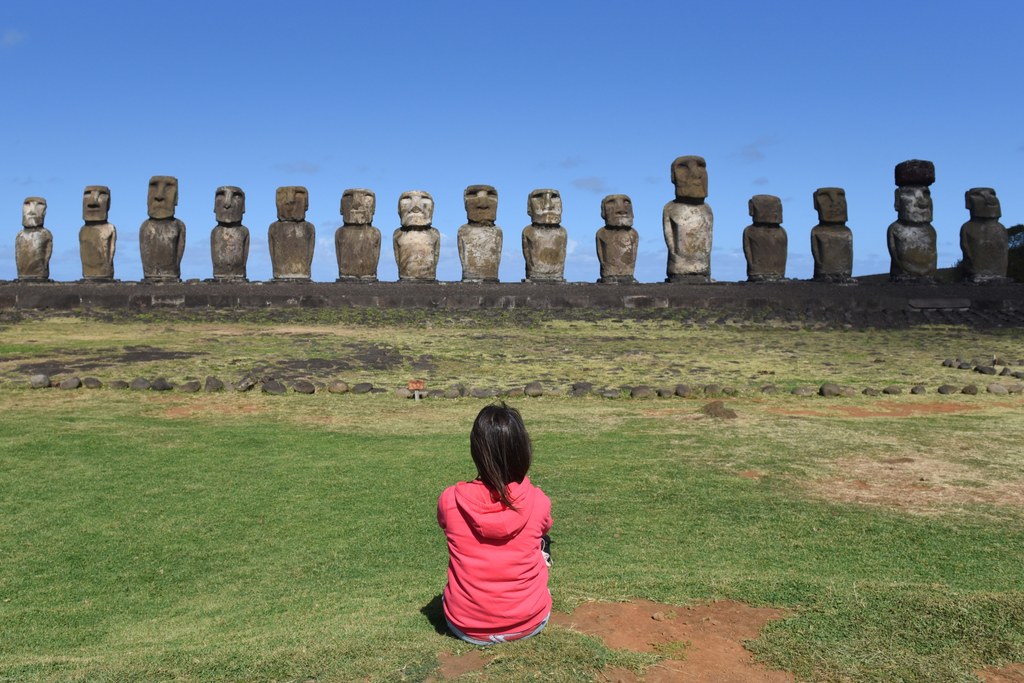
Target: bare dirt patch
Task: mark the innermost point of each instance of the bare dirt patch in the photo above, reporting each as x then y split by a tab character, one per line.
1014	673
915	484
902	409
221	409
453	665
702	643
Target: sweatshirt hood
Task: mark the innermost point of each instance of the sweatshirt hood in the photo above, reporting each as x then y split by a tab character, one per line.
493	519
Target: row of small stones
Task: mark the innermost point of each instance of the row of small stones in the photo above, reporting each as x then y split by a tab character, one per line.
533	389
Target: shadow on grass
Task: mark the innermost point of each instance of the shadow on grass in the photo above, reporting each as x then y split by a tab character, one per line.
434	612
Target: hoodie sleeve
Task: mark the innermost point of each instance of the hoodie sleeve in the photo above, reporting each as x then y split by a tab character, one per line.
546	524
441	514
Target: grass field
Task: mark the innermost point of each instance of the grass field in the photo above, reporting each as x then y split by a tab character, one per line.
150	536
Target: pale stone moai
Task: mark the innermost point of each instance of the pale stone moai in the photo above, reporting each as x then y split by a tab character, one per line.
97	239
291	236
480	239
229	240
162	236
765	242
417	244
34	243
983	239
545	240
911	238
357	242
617	241
687	222
831	239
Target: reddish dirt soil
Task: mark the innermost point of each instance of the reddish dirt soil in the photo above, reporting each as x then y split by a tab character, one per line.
453	666
1014	673
182	411
901	409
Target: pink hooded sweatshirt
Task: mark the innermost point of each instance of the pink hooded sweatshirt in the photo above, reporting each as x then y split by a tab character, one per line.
497	579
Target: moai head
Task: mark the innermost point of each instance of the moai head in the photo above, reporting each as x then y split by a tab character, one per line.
830	203
33	212
163	196
292	202
690	176
982	202
358	206
914	204
481	204
416	209
229	204
617	211
96	203
545	207
765	209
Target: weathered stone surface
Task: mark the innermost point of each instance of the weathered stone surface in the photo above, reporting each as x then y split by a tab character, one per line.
765	243
1015	388
229	240
97	239
831	239
213	384
717	409
684	390
985	369
70	383
534	389
617	242
712	389
161	384
997	389
803	391
965	366
915	172
983	239
970	390
34	244
947	389
830	389
847	392
687	222
911	239
362	388
40	381
518	392
403	393
118	384
666	392
610	393
1005	372
303	386
357	242
949	363
92	383
892	390
642	392
480	240
545	240
479	392
918	389
140	384
871	391
190	387
452	393
580	389
291	237
417	244
246	383
273	387
162	236
460	388
338	387
769	389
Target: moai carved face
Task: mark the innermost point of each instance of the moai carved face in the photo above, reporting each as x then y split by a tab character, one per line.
982	202
96	203
914	204
292	202
830	203
765	209
358	206
617	211
481	203
229	204
690	176
33	212
416	209
163	196
545	207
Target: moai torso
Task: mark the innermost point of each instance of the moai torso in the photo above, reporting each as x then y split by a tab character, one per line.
417	244
545	240
911	239
291	237
97	239
617	242
32	250
765	242
162	236
357	242
687	223
480	240
983	239
229	240
831	240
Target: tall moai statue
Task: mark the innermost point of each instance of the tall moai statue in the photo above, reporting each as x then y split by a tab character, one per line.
357	242
687	222
417	244
97	239
912	238
617	242
765	242
983	239
831	239
229	240
162	236
34	243
480	239
544	240
291	237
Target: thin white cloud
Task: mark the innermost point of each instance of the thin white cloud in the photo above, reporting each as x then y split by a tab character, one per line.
571	162
592	184
10	38
754	151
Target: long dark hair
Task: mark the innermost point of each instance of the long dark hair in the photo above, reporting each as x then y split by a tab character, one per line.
500	448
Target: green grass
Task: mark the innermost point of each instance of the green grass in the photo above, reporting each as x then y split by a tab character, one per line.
162	537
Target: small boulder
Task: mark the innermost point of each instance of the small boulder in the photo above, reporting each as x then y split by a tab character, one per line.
718	410
803	391
985	369
1015	388
871	391
610	393
665	392
712	389
303	386
641	392
436	393
1006	372
403	393
452	392
829	390
118	384
480	392
918	389
213	384
970	390
461	388
997	389
518	392
580	389
245	384
769	389
70	383
273	387
892	390
949	363
683	390
847	392
161	384
40	381
965	366
92	383
338	387
190	387
362	388
947	389
534	389
140	384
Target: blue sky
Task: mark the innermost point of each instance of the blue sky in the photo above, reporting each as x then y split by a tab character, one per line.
589	98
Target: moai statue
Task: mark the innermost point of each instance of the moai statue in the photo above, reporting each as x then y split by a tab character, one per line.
291	236
831	240
229	240
417	244
162	236
912	238
765	242
544	240
34	244
688	222
97	239
983	239
480	239
617	241
357	242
